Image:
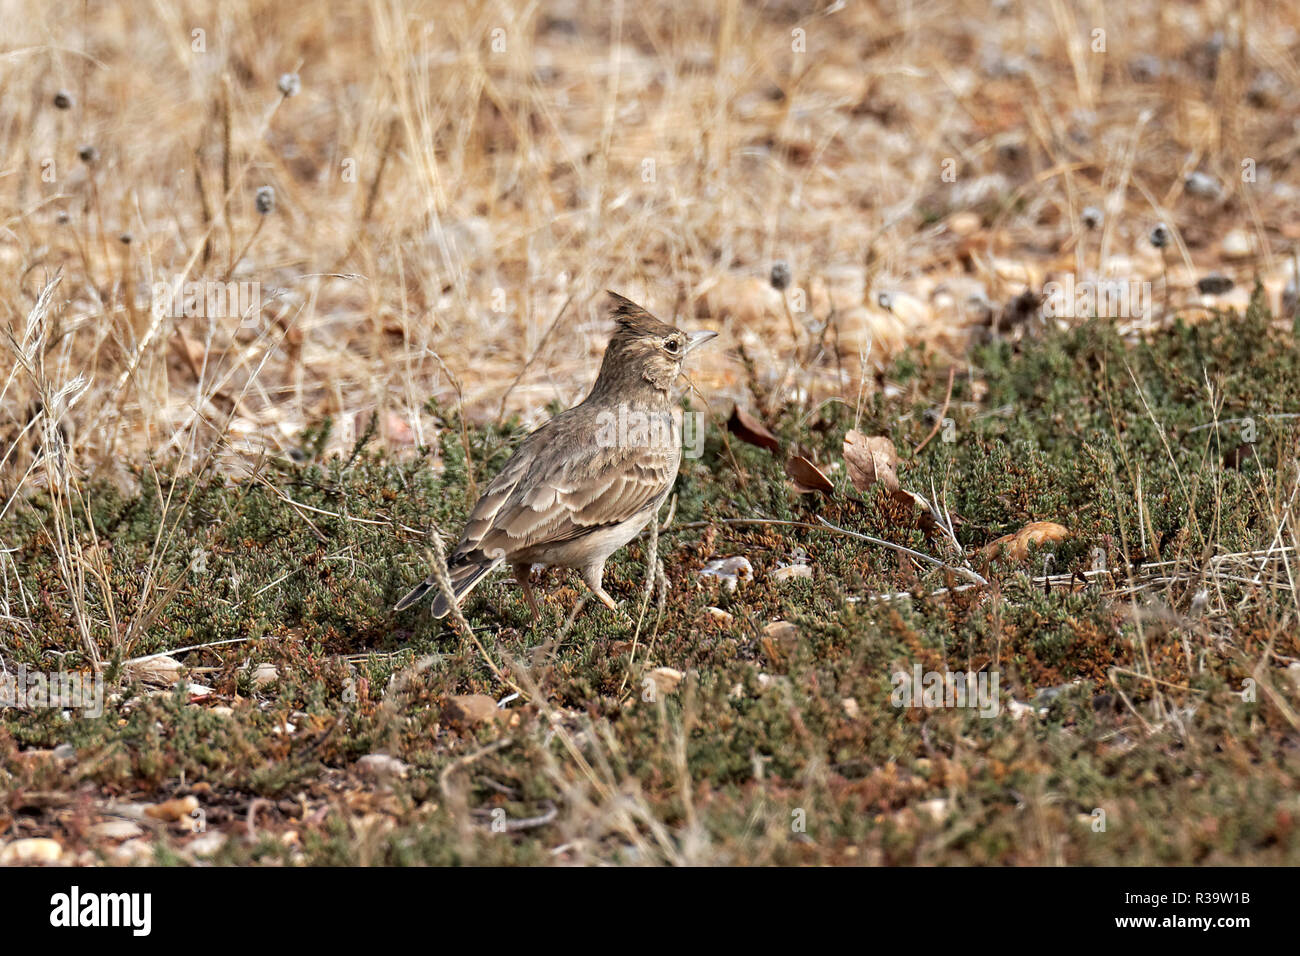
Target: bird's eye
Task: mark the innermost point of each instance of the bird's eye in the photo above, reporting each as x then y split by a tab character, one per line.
672	345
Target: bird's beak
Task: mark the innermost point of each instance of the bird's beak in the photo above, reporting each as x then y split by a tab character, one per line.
696	339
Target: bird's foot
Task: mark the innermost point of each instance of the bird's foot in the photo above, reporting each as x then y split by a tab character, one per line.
605	599
615	606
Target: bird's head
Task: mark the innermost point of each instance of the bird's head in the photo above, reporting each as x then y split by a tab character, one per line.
644	350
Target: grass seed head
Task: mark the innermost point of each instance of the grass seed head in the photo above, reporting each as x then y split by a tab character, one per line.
265	200
780	277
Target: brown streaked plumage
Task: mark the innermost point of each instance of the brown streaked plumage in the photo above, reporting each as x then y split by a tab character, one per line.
569	496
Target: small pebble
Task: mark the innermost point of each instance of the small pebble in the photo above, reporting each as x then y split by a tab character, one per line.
1202	185
1237	244
730	571
793	572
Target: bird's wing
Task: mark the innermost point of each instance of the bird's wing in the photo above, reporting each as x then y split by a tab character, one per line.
550	493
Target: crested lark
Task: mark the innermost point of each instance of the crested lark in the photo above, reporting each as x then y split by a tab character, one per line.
585	483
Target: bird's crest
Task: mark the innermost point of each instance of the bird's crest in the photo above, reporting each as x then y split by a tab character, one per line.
634	319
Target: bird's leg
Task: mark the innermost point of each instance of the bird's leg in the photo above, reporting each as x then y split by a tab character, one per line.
521	575
593	575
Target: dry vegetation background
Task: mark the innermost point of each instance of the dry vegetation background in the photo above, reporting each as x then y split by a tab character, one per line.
428	200
455	184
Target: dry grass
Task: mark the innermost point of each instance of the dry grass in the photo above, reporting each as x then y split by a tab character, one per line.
451	200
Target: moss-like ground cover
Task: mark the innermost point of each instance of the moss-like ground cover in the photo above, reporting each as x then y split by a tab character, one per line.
1155	695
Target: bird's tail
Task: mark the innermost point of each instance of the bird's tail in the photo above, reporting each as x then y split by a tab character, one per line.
465	575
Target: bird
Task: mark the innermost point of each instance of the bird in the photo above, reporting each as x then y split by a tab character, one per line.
589	480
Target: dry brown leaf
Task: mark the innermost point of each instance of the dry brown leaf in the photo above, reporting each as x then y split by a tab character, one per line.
749	429
173	810
807	477
870	460
1016	546
925	519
